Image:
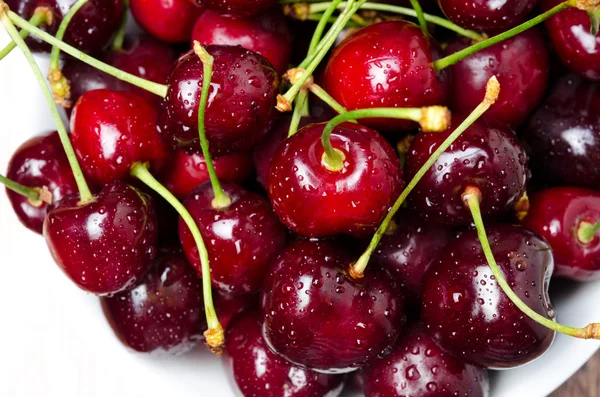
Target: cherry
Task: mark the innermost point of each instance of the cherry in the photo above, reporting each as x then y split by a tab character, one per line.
239	8
569	31
387	64
313	200
106	245
113	130
171	21
40	162
241	105
164	313
469	315
487	15
317	317
520	64
560	215
242	239
266	34
257	371
228	306
484	156
417	367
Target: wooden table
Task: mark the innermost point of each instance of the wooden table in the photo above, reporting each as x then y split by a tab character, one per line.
585	382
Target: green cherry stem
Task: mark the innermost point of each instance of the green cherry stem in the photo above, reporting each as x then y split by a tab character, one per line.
41	16
325	97
587	231
357	269
119	37
420	17
472	198
155	88
84	191
301	101
33	194
221	199
325	18
350	24
215	338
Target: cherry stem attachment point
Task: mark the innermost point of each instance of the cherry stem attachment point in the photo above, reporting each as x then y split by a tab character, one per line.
214	335
417	7
299	104
119	37
586	232
34	195
325	97
492	91
41	16
84	191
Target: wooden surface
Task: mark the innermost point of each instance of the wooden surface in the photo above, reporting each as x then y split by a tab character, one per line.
585	383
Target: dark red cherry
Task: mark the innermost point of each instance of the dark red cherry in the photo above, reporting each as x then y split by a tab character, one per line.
521	66
487	157
266	34
90	30
563	136
242	240
388	64
164	313
107	245
241	105
314	201
258	372
240	8
171	21
228	306
557	214
469	315
417	367
184	172
40	162
316	316
113	130
487	15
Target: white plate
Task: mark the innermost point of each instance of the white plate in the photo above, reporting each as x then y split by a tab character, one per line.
54	341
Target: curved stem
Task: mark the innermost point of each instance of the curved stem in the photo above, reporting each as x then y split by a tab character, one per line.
301	101
39	17
31	193
357	269
417	7
462	54
325	97
214	335
119	37
587	231
84	191
60	33
155	88
316	38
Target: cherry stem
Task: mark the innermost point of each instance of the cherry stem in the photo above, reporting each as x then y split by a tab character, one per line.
39	17
299	104
214	335
351	23
587	231
472	199
324	19
417	7
84	191
60	33
119	37
594	15
31	193
357	269
462	54
325	97
155	88
221	199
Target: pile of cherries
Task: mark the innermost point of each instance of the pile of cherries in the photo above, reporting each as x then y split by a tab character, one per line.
344	240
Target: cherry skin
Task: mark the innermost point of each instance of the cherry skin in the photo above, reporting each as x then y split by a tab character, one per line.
229	306
241	105
107	245
487	15
469	315
113	130
314	201
258	372
521	66
417	367
556	214
242	240
388	64
240	8
266	34
317	317
170	21
487	157
162	314
39	162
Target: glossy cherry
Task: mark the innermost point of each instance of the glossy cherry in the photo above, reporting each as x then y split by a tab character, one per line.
240	8
417	367
487	157
314	201
39	162
258	372
469	315
242	240
171	21
266	34
316	316
113	130
521	66
487	15
107	245
229	306
388	64
163	313
241	104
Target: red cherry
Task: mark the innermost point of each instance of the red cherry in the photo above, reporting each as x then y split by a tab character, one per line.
240	8
171	21
228	306
487	15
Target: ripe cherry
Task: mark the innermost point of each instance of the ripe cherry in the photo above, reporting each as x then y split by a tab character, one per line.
228	306
164	313
258	372
316	316
469	315
487	15
106	245
40	162
388	64
171	21
239	8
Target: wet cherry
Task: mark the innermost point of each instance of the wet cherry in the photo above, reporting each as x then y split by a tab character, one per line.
487	15
171	21
228	306
239	8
